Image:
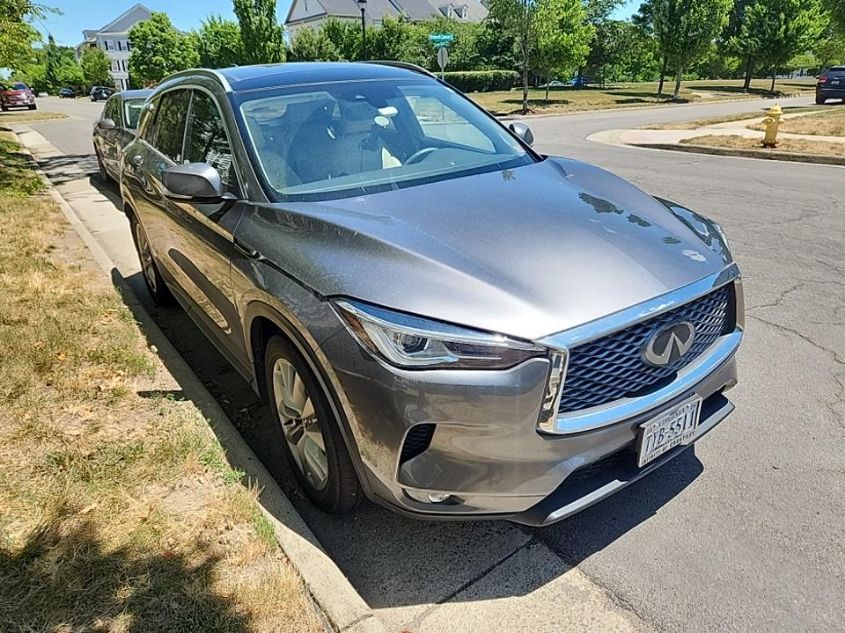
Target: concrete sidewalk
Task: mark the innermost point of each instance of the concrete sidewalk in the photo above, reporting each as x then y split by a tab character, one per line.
512	582
644	136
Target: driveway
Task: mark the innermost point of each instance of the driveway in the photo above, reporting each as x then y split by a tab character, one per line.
744	533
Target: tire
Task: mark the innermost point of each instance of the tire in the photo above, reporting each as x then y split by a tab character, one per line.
106	178
158	290
4	108
820	100
33	107
324	472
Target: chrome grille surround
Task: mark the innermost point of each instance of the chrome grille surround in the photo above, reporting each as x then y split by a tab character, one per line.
612	367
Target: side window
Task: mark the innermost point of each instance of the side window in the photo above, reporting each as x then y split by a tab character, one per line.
169	124
112	111
146	123
206	141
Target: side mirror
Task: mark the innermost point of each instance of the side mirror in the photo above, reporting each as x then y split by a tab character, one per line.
523	132
193	182
106	124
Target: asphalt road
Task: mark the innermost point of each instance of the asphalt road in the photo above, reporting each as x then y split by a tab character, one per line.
745	533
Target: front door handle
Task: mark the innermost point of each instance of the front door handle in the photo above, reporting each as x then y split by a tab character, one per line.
138	160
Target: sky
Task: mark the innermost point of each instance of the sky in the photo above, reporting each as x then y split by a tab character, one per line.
185	14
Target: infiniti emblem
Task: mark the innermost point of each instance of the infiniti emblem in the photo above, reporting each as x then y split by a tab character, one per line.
669	343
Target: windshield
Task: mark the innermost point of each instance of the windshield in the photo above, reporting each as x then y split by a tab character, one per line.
19	86
133	109
334	140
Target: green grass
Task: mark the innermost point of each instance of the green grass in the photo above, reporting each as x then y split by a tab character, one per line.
631	95
118	512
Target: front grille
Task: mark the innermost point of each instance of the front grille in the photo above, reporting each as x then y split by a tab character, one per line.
612	367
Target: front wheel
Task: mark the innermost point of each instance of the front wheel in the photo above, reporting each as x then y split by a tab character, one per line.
33	107
308	429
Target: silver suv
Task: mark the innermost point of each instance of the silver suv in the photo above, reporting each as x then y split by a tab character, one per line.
441	319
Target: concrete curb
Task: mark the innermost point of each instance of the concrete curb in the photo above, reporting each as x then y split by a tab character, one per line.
760	154
344	608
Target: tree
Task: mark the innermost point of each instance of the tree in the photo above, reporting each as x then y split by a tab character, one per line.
17	35
829	48
836	9
53	60
563	37
95	67
261	35
218	43
309	45
159	50
519	18
784	28
685	29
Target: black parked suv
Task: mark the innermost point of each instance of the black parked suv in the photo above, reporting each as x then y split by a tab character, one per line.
831	85
100	93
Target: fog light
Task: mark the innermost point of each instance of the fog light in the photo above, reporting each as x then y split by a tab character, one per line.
429	497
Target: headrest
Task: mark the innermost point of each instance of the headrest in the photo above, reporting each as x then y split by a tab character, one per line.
356	117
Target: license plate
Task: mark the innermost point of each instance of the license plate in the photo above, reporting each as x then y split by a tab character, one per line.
834	82
670	429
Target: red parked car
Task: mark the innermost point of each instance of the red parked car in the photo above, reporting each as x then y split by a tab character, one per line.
16	95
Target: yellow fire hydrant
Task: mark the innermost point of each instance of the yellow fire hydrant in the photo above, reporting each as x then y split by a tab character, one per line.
772	123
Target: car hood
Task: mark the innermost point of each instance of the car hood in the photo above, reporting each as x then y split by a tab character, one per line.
526	252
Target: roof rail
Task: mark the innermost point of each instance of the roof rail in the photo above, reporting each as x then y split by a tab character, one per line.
209	72
405	65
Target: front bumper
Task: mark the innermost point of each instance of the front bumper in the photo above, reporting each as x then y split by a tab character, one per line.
486	453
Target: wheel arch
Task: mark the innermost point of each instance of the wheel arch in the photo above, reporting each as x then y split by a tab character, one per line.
262	321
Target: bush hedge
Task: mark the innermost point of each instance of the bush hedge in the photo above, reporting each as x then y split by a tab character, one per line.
482	80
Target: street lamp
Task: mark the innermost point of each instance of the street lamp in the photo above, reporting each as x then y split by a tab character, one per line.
362	4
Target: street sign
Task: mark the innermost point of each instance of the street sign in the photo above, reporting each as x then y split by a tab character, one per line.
442	58
441	39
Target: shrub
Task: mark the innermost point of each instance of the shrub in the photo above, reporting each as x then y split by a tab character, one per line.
482	80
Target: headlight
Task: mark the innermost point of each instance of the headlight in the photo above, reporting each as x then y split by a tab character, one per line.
416	343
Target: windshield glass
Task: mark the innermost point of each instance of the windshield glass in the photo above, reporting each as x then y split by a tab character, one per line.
132	111
339	139
19	86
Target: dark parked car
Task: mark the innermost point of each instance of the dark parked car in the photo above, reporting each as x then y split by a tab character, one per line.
831	85
115	128
100	93
441	318
16	95
67	93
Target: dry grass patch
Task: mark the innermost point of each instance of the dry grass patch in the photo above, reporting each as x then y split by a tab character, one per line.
827	121
118	511
793	146
628	95
728	118
29	116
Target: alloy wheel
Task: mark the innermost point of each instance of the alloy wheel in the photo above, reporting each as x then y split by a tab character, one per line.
300	424
146	257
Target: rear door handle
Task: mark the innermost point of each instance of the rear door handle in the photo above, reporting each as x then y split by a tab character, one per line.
138	160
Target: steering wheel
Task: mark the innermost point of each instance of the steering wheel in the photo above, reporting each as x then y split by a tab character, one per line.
425	151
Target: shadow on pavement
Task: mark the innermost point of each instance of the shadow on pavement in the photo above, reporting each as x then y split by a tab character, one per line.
65	168
392	560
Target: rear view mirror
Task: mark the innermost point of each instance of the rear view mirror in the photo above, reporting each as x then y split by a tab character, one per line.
193	182
106	124
523	132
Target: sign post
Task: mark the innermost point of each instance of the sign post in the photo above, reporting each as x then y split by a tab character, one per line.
441	41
